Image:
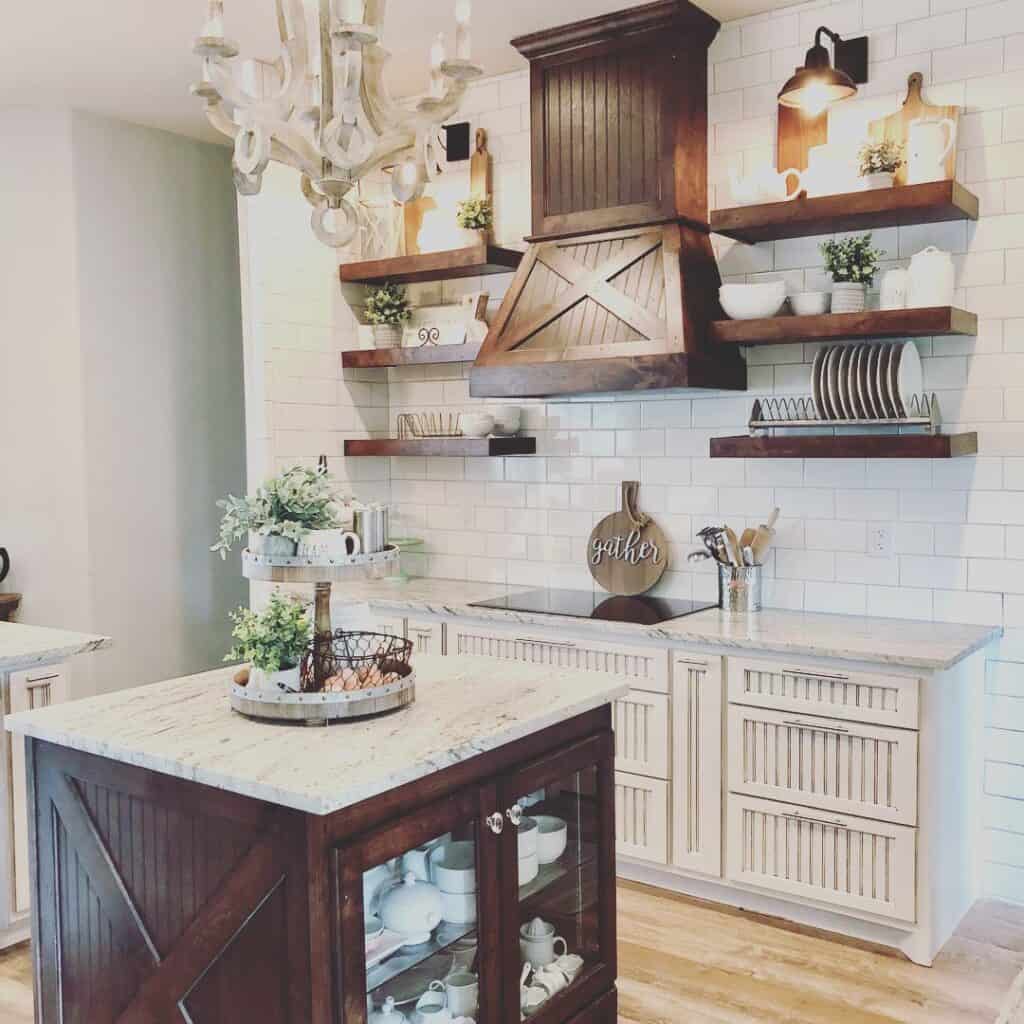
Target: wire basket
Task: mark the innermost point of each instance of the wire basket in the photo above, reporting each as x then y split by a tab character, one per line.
350	661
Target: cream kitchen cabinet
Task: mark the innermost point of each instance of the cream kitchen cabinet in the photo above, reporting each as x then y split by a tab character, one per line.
697	768
427	636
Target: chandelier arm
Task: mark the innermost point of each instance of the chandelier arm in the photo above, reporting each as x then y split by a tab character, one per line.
381	110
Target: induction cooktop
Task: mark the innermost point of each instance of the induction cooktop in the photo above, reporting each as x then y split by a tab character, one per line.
585	604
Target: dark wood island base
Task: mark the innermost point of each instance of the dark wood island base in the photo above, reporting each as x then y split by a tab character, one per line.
160	900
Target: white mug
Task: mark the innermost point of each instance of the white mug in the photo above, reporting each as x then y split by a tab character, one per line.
541	950
926	149
329	545
463	991
432	1006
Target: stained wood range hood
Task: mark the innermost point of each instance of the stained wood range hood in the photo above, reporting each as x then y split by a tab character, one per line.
619	285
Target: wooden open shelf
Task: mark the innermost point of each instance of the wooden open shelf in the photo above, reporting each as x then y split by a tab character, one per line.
444	446
419	356
846	446
474	261
877	323
849	211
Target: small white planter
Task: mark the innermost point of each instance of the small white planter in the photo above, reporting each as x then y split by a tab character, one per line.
849	297
881	179
271	544
387	335
261	681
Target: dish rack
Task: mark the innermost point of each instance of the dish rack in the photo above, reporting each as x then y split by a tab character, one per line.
429	424
802	413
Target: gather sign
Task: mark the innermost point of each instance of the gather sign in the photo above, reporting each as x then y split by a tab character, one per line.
627	553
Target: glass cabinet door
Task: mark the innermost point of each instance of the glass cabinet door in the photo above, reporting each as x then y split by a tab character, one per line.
415	943
558	877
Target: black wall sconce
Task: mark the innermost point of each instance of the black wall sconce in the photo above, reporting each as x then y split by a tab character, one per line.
817	85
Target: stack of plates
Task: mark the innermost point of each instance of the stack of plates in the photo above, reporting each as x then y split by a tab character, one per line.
866	382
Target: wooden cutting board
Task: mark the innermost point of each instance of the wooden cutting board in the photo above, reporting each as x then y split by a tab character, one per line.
896	126
628	552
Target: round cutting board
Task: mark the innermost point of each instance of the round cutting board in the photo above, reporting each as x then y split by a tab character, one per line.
627	552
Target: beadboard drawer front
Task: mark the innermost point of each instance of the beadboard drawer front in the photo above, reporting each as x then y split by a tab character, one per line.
846	767
854	696
641	723
645	667
697	707
851	862
641	817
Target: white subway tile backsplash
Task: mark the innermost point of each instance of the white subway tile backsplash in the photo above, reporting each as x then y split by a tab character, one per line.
931	33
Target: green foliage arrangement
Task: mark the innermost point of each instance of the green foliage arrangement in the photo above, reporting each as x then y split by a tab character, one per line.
275	638
880	157
288	505
387	305
475	213
852	259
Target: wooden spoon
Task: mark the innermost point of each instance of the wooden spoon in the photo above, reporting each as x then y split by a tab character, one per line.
763	537
732	545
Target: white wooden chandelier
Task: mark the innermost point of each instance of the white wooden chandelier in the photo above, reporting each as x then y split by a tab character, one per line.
327	111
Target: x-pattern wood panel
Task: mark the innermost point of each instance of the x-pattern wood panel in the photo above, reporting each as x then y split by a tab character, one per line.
591	283
165	981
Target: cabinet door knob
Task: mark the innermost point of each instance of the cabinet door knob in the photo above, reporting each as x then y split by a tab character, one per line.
495	822
515	815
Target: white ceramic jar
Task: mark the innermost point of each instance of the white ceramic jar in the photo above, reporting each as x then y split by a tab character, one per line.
932	279
894	289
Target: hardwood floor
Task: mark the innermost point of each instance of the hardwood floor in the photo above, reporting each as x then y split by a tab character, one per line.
681	960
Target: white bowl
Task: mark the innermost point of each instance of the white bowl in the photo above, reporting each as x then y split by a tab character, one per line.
527	837
529	867
453	867
476	424
507	420
458	907
552	838
752	301
810	303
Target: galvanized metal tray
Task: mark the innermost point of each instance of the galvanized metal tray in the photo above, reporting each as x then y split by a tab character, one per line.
296	569
321	708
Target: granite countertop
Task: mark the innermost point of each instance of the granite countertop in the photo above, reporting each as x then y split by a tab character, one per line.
26	646
186	728
899	642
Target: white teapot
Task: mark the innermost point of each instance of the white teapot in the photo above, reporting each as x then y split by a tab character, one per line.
412	908
931	279
927	149
765	185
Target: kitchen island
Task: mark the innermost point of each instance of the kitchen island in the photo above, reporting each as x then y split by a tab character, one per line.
189	863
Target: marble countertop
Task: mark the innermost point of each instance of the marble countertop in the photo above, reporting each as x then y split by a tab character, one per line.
186	728
26	646
902	642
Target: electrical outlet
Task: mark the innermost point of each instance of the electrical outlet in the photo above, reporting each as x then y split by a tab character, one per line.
880	543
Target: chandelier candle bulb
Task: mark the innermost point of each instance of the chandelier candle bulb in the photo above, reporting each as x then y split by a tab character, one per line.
463	36
353	11
436	60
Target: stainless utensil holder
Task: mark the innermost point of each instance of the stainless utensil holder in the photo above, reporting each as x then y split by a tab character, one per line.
739	588
370	522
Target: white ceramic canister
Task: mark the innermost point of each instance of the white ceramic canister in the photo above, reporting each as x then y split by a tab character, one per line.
894	287
932	279
929	142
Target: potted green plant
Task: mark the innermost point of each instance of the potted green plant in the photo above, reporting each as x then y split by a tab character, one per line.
280	513
852	262
273	641
476	215
879	162
387	308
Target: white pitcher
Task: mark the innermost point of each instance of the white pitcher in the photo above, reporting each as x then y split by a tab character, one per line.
931	279
929	142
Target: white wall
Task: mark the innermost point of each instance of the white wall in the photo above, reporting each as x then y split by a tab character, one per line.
122	418
958	526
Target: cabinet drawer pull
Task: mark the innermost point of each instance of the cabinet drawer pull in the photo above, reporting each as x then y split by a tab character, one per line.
496	822
515	815
545	643
814	725
816	675
832	823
